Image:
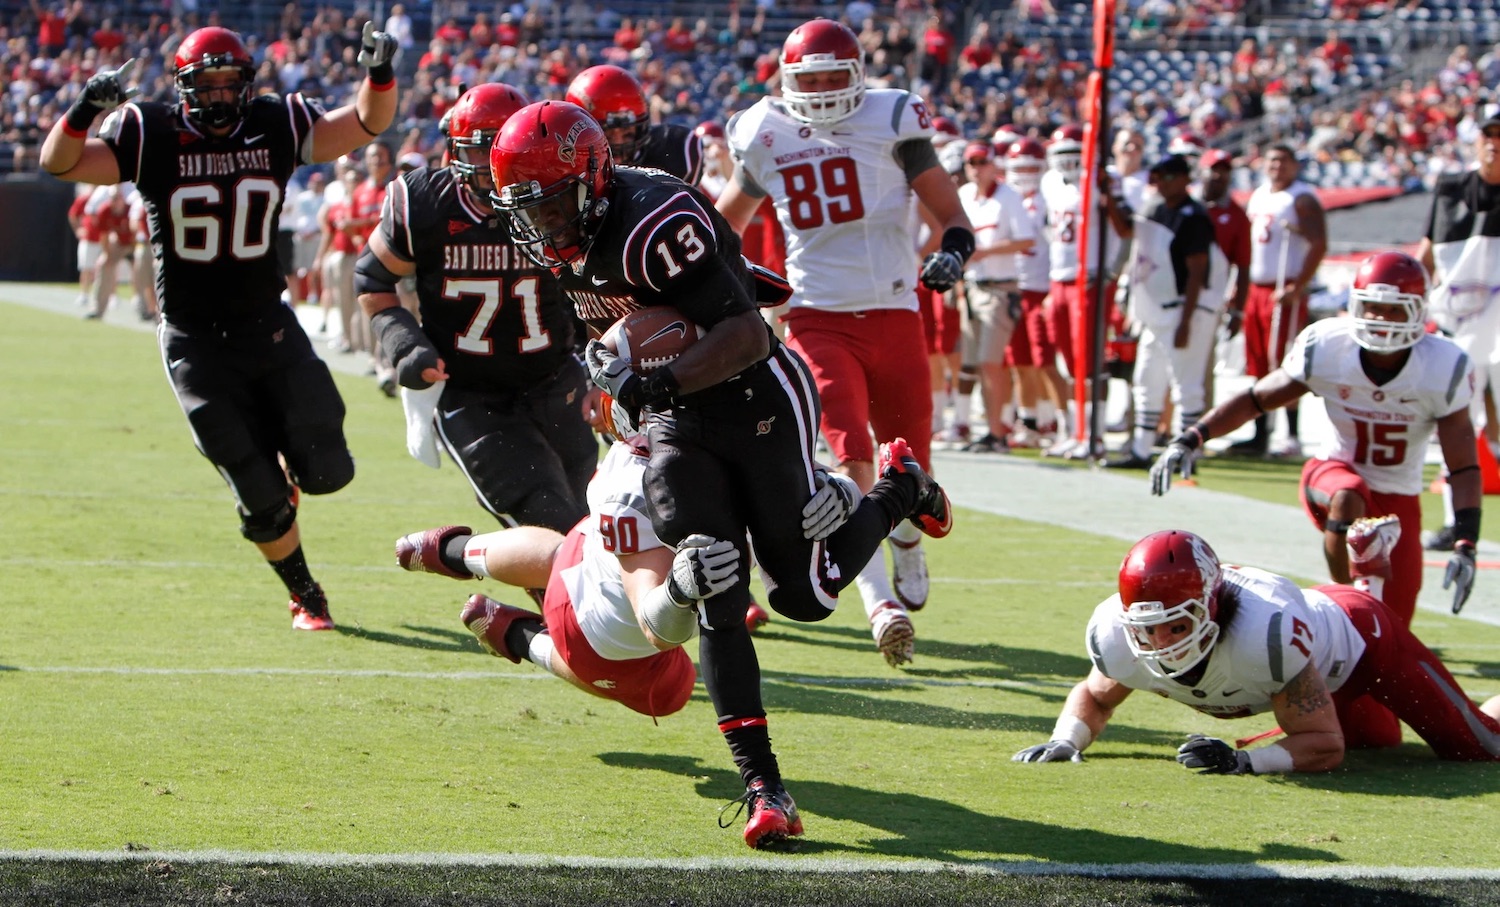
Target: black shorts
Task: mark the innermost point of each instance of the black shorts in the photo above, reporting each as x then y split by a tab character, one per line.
528	453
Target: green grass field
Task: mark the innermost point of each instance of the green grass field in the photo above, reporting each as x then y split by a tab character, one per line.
156	701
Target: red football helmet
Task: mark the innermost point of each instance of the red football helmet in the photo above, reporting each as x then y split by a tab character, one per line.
1065	151
472	124
820	46
614	98
709	131
553	172
1389	279
1170	581
214	49
1024	163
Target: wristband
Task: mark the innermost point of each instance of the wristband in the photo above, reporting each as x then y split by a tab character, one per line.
1072	729
1340	527
959	241
1271	759
1466	525
382	77
79	118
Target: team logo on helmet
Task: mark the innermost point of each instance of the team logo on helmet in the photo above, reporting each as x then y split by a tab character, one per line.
567	149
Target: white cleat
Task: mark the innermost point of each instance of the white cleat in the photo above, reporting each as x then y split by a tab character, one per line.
909	573
893	632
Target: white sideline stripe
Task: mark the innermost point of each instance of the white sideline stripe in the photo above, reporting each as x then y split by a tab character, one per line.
829	866
883	683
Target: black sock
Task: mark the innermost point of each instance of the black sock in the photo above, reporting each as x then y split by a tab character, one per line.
452	554
750	746
1291	422
294	573
1262	429
731	675
520	633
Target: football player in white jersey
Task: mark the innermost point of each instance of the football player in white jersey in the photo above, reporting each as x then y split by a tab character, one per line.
1289	237
841	164
1236	641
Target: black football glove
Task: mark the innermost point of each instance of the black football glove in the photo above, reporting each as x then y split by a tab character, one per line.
941	270
105	90
376	48
1212	756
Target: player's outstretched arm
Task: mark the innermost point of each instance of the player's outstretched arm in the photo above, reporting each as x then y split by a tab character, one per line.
67	152
373	109
736	203
1088	709
1314	739
1272	392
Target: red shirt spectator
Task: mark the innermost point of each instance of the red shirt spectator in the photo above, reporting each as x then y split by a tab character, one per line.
452	33
626	36
107	37
112	222
85	225
52	32
481	35
507	33
1337	54
679	39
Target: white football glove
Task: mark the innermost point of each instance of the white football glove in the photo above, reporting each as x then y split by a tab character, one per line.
703	567
831	507
1177	458
1460	574
1051	751
376	47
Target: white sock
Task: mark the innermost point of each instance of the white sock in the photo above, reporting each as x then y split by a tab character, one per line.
874	584
540	651
1448	517
939	403
961	407
906	533
1374	585
474	555
1046	413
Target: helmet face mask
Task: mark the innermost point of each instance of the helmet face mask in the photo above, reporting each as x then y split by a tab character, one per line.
1065	152
1169	585
1388	302
215	77
472	124
552	171
822	49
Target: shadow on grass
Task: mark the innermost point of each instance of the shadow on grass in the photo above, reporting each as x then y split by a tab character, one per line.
988	661
908	825
439	639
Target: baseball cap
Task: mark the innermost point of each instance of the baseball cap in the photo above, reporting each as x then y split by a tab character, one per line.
1172	165
1214	157
978	151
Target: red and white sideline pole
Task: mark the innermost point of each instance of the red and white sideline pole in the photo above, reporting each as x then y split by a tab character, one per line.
1089	319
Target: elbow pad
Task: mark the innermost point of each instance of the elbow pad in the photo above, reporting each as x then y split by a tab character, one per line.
372	276
402	339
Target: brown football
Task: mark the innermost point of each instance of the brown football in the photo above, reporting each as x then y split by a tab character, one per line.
650	338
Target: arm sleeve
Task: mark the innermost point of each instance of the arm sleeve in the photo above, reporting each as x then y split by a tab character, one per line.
916	157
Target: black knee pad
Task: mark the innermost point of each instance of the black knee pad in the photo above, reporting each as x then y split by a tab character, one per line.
320	464
726	611
268	525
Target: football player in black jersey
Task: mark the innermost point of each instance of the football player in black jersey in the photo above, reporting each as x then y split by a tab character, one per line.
495	328
615	100
212	170
731	422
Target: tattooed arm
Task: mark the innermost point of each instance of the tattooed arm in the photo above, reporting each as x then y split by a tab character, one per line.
1304	709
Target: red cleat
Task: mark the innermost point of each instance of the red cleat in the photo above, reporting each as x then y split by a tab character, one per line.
932	513
310	611
773	815
488	620
422	552
756	617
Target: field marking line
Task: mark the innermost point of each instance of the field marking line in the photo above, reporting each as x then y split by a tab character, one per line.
1217	871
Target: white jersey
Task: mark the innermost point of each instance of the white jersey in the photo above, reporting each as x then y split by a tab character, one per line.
617	521
1273	222
842	198
1064	202
997	217
1381	431
1036	265
1276	629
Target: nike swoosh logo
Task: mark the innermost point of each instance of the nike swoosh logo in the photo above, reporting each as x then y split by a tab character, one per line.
450	413
599	281
1376	621
1232	692
172	365
1408	399
676	327
251	140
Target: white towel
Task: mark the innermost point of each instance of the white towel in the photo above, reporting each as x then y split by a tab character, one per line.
421	433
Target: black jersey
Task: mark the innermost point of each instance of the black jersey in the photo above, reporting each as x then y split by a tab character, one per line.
213	204
673	149
661	243
497	318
